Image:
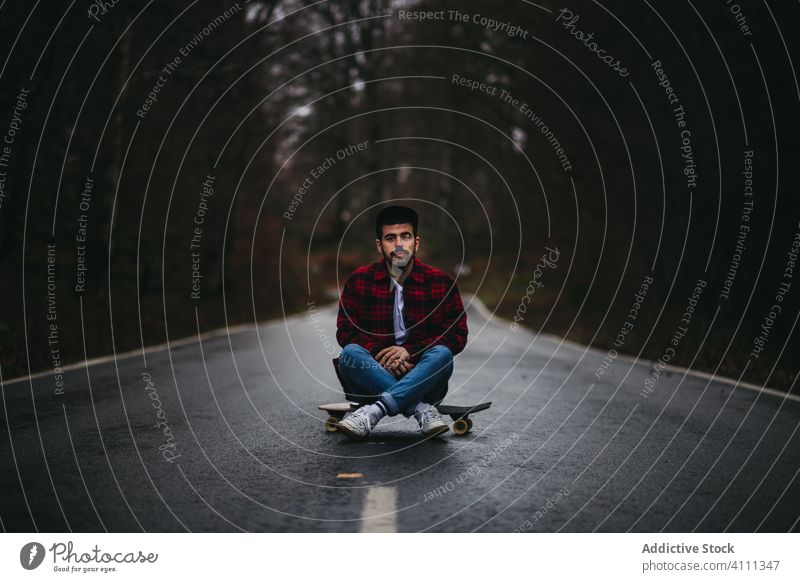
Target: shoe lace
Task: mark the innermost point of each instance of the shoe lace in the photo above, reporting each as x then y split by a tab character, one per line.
361	417
430	415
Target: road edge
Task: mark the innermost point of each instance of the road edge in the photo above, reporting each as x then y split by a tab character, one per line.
469	299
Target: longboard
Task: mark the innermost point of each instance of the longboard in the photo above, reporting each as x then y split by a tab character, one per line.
462	423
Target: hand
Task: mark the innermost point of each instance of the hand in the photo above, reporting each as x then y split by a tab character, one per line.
396	360
391	356
401	369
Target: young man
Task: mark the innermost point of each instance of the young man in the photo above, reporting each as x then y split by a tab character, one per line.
400	323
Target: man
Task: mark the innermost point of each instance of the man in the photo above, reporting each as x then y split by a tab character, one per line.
400	323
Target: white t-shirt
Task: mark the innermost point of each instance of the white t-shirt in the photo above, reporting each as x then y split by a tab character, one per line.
397	316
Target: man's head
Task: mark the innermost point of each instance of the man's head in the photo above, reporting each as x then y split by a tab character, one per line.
397	240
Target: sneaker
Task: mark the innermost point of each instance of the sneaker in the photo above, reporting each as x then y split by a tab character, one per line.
431	422
356	425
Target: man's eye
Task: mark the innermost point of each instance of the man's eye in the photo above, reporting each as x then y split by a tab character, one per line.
406	236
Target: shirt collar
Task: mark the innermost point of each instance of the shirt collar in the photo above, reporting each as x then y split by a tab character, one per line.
416	274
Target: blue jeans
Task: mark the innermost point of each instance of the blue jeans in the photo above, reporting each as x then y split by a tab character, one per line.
425	382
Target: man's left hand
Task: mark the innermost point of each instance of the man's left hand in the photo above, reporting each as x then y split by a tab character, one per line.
392	356
401	369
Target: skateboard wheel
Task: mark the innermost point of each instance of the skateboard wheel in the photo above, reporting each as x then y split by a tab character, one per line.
461	426
330	424
469	424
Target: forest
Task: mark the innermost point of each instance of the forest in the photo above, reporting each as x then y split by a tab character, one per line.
624	179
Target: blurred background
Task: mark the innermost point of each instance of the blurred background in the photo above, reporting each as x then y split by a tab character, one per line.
176	167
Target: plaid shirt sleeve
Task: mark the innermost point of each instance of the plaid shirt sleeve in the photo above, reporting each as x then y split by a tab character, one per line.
453	330
349	324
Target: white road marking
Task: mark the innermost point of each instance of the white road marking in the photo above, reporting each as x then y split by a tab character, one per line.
177	343
380	510
484	312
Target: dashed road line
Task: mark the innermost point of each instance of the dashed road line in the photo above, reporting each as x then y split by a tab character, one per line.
380	510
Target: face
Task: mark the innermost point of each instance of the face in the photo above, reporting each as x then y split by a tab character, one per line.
398	245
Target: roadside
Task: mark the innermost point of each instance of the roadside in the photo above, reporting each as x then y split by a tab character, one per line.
477	310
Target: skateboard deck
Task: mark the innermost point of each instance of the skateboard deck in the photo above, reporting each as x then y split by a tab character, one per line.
462	423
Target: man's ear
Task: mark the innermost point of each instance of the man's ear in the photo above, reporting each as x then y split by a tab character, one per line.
416	244
378	246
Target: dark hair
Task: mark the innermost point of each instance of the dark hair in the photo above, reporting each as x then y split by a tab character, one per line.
395	215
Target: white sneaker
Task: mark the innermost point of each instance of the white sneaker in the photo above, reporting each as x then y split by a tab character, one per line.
358	424
431	422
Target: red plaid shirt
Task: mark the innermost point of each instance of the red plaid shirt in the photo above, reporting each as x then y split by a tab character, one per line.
432	310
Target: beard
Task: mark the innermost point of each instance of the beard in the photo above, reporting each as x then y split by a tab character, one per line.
398	261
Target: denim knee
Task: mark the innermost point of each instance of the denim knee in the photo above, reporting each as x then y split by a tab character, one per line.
440	354
353	349
441	351
350	354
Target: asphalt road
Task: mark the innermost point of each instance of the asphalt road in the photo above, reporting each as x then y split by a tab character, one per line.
225	435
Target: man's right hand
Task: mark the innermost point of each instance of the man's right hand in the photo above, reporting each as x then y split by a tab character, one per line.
398	368
401	369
